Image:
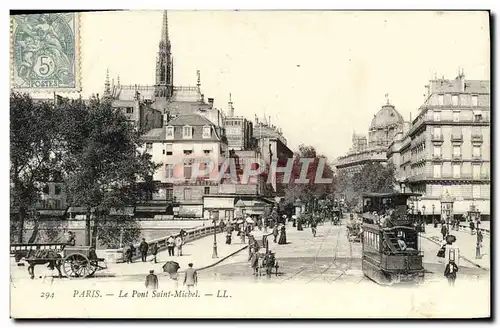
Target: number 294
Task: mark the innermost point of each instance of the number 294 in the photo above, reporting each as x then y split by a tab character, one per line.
47	295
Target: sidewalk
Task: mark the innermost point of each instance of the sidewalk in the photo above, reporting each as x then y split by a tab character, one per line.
199	252
465	242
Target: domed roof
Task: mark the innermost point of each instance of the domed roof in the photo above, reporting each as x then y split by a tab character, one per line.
386	116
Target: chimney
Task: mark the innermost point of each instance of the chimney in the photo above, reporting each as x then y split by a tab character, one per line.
211	102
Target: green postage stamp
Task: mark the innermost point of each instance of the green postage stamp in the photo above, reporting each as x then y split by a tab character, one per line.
45	52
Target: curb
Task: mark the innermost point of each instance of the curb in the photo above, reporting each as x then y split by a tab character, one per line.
222	259
461	256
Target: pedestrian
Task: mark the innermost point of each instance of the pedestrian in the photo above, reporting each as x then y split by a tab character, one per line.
450	272
143	248
170	245
478	250
154	251
228	237
151	280
314	224
471	226
282	240
178	243
190	277
129	253
275	233
444	231
254	263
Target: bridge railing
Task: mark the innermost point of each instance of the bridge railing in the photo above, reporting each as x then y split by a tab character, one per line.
118	255
465	227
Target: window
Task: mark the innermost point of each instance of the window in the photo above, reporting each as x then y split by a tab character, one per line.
58	189
187	194
440	100
149	146
169	171
57	203
476	191
187	171
188	152
206	190
476	171
478	116
187	132
207	131
437	151
169	149
476	151
437	116
456	116
456	170
46	189
170	132
207	151
454	100
437	170
474	101
437	132
457	151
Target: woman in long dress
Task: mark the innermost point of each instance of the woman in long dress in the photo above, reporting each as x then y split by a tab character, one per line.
282	239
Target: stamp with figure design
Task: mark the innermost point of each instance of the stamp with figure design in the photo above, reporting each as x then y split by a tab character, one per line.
45	52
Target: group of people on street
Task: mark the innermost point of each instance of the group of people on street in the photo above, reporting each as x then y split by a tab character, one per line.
190	278
172	242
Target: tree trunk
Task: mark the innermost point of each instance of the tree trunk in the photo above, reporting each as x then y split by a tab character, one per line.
21	216
87	228
94	229
34	234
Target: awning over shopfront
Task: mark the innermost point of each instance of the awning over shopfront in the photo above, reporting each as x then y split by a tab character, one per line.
123	211
52	212
190	211
151	209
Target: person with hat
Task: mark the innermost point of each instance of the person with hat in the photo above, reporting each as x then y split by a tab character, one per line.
151	280
450	272
190	277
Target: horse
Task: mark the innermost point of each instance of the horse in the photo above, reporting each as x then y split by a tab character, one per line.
269	262
39	257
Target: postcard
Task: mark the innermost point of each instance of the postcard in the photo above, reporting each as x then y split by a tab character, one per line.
250	164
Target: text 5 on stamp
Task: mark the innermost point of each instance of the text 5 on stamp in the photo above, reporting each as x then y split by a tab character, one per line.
45	52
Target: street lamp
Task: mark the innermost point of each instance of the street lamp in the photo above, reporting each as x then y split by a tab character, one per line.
433	218
447	208
214	254
423	213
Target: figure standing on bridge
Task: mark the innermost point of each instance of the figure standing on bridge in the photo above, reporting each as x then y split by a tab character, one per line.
170	245
275	233
154	251
143	248
178	243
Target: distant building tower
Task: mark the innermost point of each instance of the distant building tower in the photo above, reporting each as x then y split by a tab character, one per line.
164	86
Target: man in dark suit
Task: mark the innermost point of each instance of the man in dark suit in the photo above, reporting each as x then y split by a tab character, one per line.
151	280
190	277
143	248
450	272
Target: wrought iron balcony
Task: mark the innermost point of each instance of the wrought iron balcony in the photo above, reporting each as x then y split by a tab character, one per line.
437	157
437	137
477	138
456	157
457	137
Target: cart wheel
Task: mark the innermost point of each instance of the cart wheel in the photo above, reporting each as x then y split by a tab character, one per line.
78	266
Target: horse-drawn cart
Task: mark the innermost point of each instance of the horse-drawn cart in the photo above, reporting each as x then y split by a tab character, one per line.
76	261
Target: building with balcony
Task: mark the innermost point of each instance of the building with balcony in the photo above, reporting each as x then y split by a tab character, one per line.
447	148
386	125
239	130
189	149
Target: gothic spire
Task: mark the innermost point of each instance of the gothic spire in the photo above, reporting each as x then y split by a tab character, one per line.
164	30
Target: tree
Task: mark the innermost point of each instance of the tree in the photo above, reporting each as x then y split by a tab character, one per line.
373	177
33	144
104	168
311	191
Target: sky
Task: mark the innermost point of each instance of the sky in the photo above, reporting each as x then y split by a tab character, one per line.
320	75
